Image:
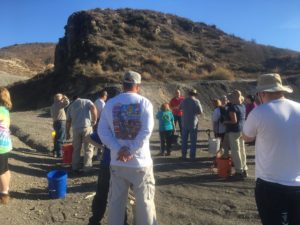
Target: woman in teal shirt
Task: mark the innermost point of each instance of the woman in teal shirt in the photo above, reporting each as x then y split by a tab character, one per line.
5	144
166	128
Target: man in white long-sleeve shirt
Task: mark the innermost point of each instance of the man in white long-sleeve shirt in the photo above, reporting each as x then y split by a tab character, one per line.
125	127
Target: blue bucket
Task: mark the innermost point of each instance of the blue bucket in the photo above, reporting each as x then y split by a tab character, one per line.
57	183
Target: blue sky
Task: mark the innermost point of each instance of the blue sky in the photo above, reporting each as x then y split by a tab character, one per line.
270	22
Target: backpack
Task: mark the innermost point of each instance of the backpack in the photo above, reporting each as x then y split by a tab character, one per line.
224	113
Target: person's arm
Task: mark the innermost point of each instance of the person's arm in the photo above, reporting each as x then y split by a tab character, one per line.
105	132
68	128
173	123
232	117
249	132
93	110
68	124
199	109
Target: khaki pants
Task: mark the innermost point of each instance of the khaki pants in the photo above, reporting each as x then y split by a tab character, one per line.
238	153
143	185
79	138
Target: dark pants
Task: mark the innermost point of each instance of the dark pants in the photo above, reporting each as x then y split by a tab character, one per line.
60	132
165	140
100	200
178	119
277	204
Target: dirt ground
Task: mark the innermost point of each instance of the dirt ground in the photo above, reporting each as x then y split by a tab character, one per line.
187	193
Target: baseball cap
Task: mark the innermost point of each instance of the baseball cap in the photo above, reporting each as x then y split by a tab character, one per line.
132	77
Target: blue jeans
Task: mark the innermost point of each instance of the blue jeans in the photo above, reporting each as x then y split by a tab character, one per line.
193	141
60	132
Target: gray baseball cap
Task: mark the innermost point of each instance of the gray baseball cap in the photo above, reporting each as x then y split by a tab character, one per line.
132	77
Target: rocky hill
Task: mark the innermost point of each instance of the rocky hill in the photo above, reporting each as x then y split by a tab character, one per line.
26	59
161	47
99	45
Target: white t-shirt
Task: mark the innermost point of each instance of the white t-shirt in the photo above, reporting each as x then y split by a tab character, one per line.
127	120
99	103
276	126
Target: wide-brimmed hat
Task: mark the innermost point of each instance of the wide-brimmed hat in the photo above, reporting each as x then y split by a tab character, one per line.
271	82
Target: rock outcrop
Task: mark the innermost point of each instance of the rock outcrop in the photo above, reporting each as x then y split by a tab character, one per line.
169	51
160	46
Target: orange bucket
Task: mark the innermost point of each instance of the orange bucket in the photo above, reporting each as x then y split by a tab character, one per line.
224	167
67	150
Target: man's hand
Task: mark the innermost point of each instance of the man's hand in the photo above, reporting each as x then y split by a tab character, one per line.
124	154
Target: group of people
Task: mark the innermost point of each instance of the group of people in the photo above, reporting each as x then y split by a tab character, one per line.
228	119
125	127
183	111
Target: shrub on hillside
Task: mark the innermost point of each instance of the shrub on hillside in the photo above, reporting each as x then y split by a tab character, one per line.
220	74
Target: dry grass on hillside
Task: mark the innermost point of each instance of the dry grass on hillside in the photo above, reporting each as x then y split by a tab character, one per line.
27	59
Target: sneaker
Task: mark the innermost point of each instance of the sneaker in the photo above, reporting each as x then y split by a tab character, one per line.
168	153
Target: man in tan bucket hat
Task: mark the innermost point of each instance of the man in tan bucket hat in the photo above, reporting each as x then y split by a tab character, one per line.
275	125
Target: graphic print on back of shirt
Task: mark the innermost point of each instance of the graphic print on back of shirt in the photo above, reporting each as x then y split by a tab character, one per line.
126	121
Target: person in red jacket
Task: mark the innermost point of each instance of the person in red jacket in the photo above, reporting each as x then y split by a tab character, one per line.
177	112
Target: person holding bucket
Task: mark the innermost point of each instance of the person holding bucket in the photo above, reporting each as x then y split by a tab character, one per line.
5	145
275	125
